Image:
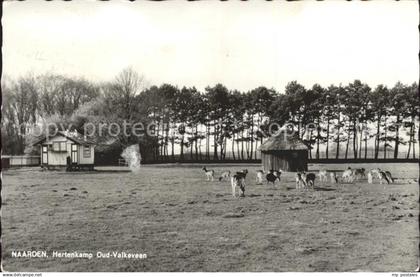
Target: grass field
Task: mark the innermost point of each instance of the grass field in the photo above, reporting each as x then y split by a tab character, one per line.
184	223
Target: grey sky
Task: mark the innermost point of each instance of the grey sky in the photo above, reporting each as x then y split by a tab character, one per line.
240	44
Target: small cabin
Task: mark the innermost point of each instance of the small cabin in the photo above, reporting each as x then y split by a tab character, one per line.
284	152
68	150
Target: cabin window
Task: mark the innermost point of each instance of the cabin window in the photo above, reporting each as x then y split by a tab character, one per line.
59	146
86	151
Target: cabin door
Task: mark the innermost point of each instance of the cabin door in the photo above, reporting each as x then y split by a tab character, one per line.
74	153
44	154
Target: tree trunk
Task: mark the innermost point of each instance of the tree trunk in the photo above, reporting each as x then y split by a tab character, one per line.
173	148
221	147
165	152
222	140
310	138
354	140
377	137
418	140
158	141
256	140
215	147
196	142
409	142
199	149
191	150
252	138
414	134
242	144
298	121
337	153
397	137
366	143
182	148
360	143
347	144
224	148
318	134
207	141
233	147
385	138
411	139
238	152
328	138
247	147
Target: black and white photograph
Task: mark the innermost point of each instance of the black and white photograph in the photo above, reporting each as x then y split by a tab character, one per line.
210	136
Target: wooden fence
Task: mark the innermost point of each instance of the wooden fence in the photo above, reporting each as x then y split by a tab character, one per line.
20	161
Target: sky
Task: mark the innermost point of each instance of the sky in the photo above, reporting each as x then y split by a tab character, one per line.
242	45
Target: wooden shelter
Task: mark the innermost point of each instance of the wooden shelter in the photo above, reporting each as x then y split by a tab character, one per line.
284	152
66	149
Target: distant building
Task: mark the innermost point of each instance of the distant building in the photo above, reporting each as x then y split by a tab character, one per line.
66	149
19	161
284	152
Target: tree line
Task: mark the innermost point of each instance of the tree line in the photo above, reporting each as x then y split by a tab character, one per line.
344	121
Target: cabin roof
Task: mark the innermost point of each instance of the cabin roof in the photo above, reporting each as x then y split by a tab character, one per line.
282	142
73	136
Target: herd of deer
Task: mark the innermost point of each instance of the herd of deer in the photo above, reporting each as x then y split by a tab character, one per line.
303	179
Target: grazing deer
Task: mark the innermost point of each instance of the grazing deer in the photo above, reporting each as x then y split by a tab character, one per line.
225	175
359	173
375	172
300	180
334	179
370	177
389	176
272	176
348	175
209	174
323	176
239	180
259	177
382	175
310	179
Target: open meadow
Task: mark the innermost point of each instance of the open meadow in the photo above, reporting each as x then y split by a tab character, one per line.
185	223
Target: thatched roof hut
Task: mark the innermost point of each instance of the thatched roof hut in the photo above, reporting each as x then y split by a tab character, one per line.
284	152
